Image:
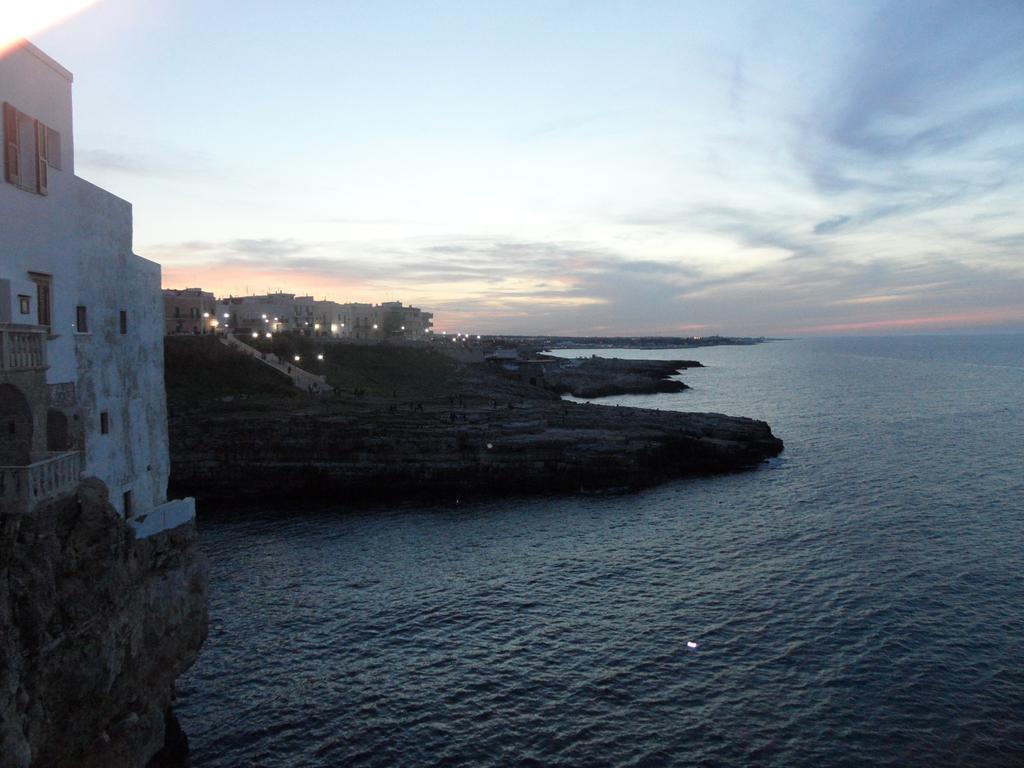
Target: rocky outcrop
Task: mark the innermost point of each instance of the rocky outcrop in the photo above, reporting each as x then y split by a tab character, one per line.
602	377
95	627
404	451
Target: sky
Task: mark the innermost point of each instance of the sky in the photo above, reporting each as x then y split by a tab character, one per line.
743	168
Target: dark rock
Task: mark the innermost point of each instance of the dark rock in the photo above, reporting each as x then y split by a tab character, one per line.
95	627
594	377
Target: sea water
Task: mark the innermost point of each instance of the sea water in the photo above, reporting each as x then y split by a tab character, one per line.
857	601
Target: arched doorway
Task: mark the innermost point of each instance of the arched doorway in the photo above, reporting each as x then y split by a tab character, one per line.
15	427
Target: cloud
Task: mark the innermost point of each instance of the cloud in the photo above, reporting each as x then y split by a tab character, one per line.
169	164
829	226
924	103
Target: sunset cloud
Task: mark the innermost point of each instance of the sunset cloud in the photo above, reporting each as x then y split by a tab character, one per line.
744	169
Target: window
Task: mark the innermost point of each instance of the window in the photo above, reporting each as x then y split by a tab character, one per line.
81	319
53	148
104	423
30	149
177	311
123	319
25	304
127	504
43	283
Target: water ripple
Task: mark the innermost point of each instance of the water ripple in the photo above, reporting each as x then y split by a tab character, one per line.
856	602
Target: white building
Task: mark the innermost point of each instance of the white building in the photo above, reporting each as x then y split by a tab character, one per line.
81	317
282	312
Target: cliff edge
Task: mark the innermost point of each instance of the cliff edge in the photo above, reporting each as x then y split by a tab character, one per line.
95	627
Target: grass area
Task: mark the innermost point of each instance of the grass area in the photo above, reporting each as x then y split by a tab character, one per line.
199	370
203	374
407	372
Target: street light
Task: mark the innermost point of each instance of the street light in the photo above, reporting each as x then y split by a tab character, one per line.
320	356
297	358
255	335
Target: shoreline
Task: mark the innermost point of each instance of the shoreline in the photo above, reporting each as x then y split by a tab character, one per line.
427	428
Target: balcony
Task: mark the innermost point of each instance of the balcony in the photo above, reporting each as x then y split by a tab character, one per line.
24	488
22	347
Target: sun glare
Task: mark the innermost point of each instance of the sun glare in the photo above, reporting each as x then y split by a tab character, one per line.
26	19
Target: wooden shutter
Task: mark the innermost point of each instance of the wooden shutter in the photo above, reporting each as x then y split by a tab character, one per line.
12	172
41	166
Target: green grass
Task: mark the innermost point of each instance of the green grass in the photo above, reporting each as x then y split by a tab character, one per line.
200	371
406	372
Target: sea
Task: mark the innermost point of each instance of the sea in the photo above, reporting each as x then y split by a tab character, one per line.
857	601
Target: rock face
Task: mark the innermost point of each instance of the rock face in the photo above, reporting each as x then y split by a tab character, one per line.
534	447
95	627
601	377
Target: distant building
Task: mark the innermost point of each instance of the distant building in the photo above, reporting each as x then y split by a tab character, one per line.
81	335
267	313
285	312
188	310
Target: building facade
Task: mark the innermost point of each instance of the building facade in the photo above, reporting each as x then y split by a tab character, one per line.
188	310
286	312
81	334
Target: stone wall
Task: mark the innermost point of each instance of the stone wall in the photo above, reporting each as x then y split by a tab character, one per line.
95	627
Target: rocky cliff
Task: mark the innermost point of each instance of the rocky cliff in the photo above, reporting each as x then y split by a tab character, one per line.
95	627
411	423
602	377
532	447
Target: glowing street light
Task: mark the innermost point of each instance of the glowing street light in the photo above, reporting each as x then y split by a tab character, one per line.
297	358
255	335
375	326
269	335
226	315
206	314
320	356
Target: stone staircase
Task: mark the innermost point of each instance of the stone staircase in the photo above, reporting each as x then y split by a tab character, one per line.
304	380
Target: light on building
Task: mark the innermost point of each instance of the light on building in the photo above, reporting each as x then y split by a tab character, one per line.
297	358
478	338
226	315
206	314
214	323
255	335
275	319
375	326
264	317
316	326
403	327
269	335
320	356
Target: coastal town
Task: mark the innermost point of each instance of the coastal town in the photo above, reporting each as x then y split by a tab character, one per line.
511	384
114	390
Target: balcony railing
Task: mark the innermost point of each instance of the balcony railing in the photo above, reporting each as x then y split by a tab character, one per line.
22	347
23	488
